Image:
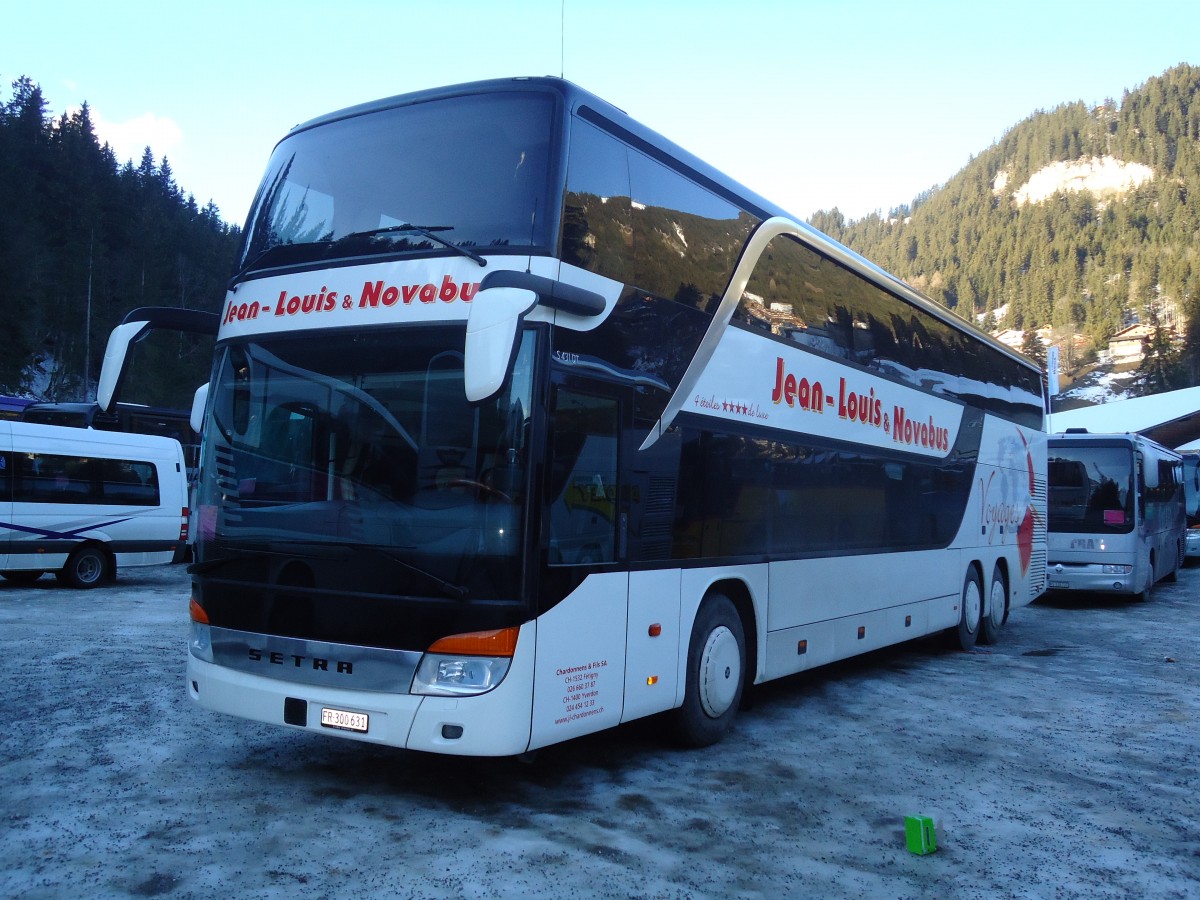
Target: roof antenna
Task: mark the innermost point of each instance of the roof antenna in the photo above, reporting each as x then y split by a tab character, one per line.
562	39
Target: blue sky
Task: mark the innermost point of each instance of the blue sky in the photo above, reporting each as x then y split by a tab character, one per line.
813	105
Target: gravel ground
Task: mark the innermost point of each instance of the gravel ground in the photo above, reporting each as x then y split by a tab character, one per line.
1063	762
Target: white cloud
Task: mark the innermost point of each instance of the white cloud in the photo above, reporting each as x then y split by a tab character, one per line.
130	138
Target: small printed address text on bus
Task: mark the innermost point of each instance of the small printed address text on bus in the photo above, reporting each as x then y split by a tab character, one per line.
581	692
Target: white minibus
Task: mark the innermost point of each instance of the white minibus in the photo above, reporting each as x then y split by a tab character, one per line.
82	503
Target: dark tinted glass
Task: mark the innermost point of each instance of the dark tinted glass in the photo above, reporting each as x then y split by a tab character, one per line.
752	497
583	504
474	166
800	296
365	442
597	234
686	238
54	478
1091	489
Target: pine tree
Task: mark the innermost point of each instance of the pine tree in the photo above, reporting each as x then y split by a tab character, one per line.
1162	367
1032	346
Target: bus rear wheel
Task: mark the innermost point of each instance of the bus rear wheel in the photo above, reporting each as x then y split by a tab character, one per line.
85	568
991	623
716	674
966	633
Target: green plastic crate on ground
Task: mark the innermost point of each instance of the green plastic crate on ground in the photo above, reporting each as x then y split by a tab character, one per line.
918	830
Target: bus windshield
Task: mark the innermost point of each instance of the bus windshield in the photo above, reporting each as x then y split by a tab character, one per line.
1091	489
467	171
354	464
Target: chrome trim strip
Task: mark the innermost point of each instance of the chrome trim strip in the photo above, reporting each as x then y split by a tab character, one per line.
756	245
315	662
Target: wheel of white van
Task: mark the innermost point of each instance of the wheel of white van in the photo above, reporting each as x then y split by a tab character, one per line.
990	624
85	568
970	609
716	674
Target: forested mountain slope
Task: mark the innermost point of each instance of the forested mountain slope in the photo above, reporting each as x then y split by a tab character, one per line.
80	231
1082	218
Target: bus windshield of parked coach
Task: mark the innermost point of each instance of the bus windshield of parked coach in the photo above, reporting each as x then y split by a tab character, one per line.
472	171
361	448
1091	489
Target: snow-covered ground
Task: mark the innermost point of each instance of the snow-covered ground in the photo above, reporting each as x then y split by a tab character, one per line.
1101	386
1062	762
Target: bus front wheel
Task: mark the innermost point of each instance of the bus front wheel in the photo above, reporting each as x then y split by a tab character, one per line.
716	674
966	633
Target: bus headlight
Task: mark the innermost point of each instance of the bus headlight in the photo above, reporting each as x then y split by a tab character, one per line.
465	664
200	636
1117	570
200	642
450	676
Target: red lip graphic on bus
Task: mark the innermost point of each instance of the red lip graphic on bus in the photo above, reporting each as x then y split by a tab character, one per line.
1025	540
1025	529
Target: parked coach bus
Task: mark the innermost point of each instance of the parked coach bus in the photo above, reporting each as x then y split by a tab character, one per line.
1116	513
84	503
524	423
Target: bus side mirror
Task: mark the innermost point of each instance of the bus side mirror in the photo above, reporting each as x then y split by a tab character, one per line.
114	360
496	313
199	401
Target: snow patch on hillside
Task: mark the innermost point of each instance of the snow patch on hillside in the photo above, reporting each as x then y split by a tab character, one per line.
1106	177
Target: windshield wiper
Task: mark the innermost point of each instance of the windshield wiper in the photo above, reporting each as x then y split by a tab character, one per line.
261	255
455	591
426	231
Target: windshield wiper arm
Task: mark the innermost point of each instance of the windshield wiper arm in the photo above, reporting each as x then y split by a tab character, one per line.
456	591
428	232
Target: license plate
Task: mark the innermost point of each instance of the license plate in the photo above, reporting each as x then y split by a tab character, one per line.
343	719
1059	585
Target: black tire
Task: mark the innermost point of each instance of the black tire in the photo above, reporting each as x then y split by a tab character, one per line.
22	577
997	614
87	567
716	674
970	606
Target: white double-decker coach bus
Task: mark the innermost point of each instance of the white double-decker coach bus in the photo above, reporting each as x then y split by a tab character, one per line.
525	423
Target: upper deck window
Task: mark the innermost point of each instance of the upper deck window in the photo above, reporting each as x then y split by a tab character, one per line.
474	170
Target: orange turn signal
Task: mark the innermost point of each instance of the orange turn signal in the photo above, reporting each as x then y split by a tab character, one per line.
197	612
502	642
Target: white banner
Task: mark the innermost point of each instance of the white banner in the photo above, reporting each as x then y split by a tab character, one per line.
752	379
428	290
